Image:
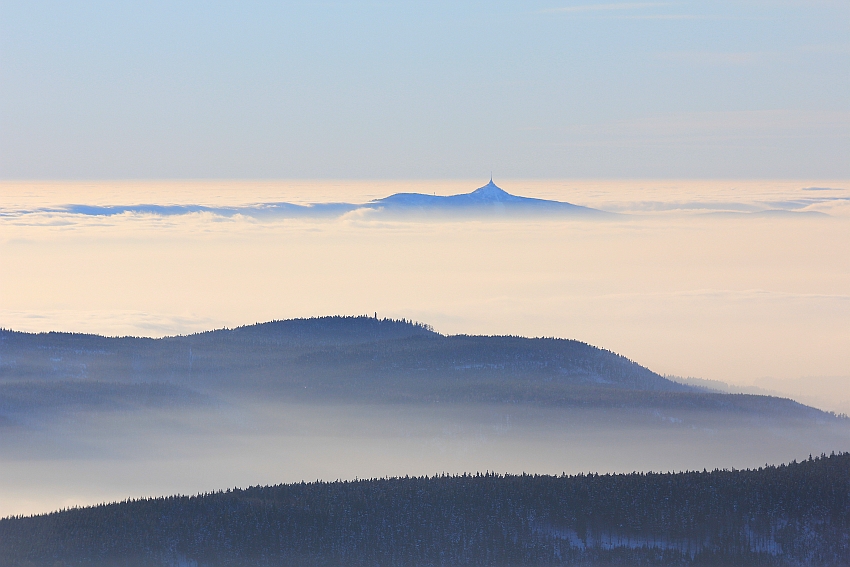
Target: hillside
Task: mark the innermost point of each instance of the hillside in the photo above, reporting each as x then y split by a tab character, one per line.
355	359
796	514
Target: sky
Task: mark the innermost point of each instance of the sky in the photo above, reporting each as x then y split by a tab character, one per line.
424	90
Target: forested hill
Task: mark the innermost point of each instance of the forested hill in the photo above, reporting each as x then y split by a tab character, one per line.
796	514
355	359
314	330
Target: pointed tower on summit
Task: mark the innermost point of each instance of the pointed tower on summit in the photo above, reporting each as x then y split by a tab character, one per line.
491	192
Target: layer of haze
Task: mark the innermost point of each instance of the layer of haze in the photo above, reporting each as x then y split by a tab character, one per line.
424	90
88	458
697	280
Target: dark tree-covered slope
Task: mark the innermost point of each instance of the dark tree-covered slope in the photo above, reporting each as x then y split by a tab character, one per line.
796	514
356	359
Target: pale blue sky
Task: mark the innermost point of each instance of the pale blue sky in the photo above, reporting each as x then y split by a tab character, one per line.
425	89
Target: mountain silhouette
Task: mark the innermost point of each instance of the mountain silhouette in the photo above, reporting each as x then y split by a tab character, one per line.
488	199
353	359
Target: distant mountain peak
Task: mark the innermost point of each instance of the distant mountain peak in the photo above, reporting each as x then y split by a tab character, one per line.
487	200
492	192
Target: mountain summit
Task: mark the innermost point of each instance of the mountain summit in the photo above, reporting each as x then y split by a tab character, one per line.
487	200
493	193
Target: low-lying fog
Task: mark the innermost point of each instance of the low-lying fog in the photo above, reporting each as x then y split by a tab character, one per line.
91	457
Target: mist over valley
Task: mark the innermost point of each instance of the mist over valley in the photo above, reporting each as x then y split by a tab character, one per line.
345	397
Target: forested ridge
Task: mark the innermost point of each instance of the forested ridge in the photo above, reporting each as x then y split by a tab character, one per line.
794	514
351	359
